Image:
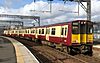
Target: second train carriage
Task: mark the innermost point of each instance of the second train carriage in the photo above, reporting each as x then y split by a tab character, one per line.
77	35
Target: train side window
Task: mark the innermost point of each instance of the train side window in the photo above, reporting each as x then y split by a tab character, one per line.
16	32
66	30
62	31
47	31
12	32
42	31
27	31
32	31
19	31
53	31
36	30
39	31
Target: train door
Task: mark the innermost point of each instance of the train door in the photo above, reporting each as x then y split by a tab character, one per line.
36	33
47	33
83	35
64	32
86	32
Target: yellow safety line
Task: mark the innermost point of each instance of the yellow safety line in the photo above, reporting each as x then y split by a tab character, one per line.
19	55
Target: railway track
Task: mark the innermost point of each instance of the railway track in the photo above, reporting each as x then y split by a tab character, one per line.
88	59
29	45
47	54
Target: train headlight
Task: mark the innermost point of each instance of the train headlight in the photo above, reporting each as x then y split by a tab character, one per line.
76	41
64	40
84	22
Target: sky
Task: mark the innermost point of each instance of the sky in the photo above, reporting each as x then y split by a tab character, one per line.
60	12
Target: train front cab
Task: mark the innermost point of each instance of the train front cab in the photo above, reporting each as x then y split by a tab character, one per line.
82	37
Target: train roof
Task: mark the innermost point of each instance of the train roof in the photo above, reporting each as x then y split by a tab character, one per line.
56	24
59	24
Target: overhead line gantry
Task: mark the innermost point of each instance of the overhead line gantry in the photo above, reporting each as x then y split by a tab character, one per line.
35	18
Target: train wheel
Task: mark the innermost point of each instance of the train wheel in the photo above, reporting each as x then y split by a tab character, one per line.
70	51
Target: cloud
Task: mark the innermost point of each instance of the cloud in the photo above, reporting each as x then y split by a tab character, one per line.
60	12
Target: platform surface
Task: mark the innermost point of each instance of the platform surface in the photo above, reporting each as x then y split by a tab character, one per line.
7	51
23	55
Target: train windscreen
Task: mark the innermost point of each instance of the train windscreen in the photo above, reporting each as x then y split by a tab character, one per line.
89	27
75	28
84	27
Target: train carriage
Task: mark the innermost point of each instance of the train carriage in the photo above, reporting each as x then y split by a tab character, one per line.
76	35
57	34
82	36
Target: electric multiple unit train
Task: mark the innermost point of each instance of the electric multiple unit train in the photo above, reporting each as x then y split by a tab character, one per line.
74	36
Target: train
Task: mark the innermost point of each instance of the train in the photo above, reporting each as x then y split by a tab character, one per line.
74	36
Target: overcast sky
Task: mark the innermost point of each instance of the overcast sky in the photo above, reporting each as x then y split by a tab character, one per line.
69	12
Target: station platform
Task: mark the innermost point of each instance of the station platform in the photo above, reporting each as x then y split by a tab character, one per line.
96	46
22	54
